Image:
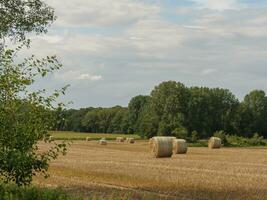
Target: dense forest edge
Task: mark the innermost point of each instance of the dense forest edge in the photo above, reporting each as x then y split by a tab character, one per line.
172	109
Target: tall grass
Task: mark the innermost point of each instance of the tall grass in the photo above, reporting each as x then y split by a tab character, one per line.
13	192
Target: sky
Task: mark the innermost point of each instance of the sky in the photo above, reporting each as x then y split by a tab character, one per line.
113	50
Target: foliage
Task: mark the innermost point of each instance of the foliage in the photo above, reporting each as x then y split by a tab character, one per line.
194	136
19	17
180	133
238	141
12	192
171	106
106	120
25	117
136	107
253	114
221	135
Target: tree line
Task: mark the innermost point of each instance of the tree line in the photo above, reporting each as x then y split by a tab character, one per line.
172	109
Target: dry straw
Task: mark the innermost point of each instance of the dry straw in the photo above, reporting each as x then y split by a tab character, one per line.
120	139
179	146
161	146
103	141
130	140
215	143
51	138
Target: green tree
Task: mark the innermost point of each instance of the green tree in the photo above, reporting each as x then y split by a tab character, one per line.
169	101
106	120
211	110
19	17
25	118
148	122
136	107
253	114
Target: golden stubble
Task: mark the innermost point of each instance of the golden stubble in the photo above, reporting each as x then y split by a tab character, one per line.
202	173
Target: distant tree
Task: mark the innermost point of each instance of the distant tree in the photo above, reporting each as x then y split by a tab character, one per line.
210	110
136	107
169	101
25	118
106	120
253	114
148	122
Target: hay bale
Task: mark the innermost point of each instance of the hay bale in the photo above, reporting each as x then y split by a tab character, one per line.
179	146
103	141
120	139
130	140
51	138
215	143
161	146
88	139
150	143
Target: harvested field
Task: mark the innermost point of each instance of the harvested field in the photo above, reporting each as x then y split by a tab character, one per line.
70	135
128	171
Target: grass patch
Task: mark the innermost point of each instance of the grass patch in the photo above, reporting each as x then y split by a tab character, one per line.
70	135
13	192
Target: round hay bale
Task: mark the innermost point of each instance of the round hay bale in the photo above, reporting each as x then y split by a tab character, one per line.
130	140
179	146
103	141
120	139
88	139
215	143
51	138
161	146
150	143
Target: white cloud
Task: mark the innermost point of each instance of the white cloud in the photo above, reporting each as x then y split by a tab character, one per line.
52	39
194	27
89	77
77	76
155	37
98	13
213	47
208	71
218	4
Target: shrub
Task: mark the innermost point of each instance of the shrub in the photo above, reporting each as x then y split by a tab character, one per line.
238	141
13	192
194	136
256	140
180	133
26	117
221	135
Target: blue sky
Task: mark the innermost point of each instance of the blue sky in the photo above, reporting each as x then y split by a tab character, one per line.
113	50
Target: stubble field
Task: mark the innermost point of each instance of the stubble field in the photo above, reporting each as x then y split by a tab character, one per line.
127	171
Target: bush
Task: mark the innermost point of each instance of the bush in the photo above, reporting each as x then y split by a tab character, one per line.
13	192
256	140
181	133
221	135
194	136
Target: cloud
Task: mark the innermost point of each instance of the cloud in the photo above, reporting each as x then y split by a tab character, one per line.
194	27
117	49
219	5
52	39
101	13
208	71
77	76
